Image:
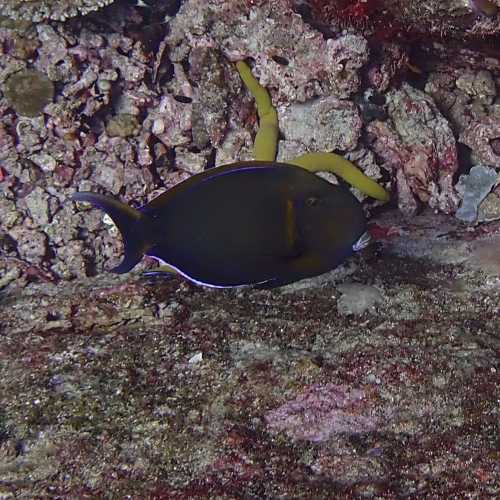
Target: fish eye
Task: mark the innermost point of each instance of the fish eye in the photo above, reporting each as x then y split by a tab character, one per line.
311	201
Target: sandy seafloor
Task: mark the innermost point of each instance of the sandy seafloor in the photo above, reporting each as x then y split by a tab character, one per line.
377	380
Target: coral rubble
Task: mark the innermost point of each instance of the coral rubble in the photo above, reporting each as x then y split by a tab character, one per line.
58	10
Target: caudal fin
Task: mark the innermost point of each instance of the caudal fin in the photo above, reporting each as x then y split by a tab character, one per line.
129	222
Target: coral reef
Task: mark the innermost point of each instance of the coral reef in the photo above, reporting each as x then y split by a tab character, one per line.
137	109
325	124
91	133
292	60
406	20
58	10
119	123
480	136
139	106
124	387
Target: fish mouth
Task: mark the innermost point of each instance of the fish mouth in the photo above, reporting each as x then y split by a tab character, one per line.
363	241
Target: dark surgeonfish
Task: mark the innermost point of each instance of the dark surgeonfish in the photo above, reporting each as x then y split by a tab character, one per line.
249	223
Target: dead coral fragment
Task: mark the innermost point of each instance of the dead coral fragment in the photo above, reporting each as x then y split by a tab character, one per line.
480	137
28	92
57	10
418	143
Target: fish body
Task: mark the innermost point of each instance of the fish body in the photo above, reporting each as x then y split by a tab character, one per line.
248	223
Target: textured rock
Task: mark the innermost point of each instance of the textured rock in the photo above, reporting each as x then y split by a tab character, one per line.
193	163
38	206
321	411
170	122
46	162
413	22
479	136
489	209
10	215
31	244
122	126
294	61
288	398
479	85
365	160
216	85
325	124
58	10
392	60
417	142
75	256
131	117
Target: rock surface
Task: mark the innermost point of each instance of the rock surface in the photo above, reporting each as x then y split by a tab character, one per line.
116	386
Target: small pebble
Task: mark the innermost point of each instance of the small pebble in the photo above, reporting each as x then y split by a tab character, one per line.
357	299
196	358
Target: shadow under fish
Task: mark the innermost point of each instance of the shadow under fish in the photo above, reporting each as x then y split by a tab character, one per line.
255	223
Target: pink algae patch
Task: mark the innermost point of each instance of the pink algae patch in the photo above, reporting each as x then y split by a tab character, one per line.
322	411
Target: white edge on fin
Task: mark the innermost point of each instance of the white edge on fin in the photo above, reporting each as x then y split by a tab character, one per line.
197	282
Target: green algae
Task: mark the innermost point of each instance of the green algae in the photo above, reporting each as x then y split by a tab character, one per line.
28	92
